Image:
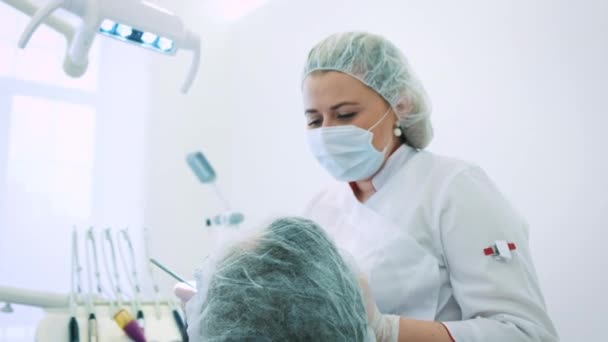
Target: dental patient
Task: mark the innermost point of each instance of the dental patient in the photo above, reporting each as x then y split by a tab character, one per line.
287	282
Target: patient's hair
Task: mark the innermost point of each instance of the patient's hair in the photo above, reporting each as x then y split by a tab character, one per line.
288	284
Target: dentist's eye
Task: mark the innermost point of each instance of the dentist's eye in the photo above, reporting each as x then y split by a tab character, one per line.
346	116
314	123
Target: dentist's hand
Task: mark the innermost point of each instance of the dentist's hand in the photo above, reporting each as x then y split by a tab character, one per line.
385	327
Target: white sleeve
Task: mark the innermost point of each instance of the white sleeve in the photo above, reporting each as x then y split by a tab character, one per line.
500	301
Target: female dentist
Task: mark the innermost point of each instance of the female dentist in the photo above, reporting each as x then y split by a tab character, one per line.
446	256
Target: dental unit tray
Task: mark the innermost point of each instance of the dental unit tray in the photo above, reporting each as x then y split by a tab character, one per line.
54	325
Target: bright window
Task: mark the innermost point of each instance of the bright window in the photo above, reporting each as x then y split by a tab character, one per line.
56	137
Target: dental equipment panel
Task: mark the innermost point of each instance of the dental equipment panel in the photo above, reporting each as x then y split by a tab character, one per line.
90	313
137	22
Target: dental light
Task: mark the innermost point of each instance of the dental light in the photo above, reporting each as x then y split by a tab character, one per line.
137	22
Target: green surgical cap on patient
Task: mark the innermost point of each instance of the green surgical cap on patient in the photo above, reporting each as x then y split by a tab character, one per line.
288	282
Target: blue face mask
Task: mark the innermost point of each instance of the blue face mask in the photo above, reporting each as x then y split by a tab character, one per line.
347	152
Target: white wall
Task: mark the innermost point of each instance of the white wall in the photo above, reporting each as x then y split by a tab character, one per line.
518	87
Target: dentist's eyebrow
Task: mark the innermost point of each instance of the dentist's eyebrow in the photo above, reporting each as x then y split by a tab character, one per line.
333	108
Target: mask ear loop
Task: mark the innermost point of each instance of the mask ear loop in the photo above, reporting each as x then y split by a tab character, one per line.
388	144
380	121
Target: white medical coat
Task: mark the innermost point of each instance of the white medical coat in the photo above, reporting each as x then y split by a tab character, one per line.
421	238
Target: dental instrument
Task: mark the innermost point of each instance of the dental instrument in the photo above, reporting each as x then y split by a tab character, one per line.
92	319
202	169
155	287
115	280
169	272
123	318
129	325
179	322
101	291
206	174
226	219
132	274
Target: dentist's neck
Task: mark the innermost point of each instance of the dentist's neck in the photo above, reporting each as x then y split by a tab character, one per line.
363	190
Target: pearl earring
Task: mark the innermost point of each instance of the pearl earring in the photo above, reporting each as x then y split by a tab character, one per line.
397	131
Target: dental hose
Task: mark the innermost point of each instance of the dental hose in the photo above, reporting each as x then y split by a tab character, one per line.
92	321
180	325
74	332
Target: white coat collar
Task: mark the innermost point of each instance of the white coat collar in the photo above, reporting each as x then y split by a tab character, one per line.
393	164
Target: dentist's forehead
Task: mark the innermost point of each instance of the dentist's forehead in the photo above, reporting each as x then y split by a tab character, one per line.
326	89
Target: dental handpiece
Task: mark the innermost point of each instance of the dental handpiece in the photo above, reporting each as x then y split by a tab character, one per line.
132	274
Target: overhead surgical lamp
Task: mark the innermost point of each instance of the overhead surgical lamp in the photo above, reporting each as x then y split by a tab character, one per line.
136	22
